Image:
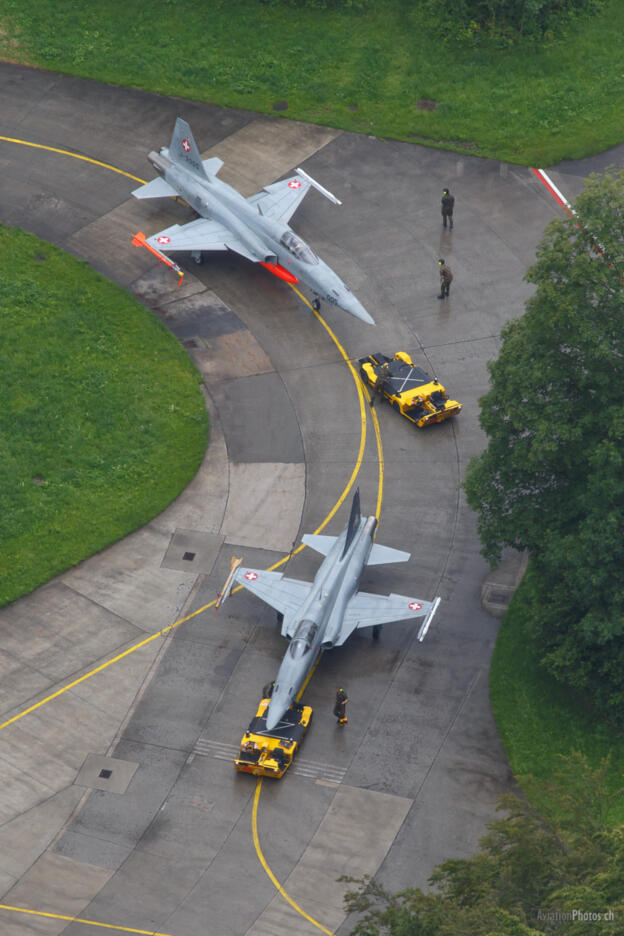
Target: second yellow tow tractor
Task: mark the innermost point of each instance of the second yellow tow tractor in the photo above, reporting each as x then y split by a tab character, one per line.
409	389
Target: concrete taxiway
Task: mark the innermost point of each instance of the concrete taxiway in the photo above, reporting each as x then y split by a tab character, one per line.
118	802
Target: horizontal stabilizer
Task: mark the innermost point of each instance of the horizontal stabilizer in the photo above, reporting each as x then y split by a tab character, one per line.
379	555
212	165
322	544
157	188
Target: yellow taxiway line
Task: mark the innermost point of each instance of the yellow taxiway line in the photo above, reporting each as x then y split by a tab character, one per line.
170	627
89	159
71	919
358	383
263	862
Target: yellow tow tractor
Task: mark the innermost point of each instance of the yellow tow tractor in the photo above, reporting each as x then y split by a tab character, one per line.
409	389
270	753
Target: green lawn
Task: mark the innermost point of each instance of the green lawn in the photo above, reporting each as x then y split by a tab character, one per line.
362	71
538	719
102	419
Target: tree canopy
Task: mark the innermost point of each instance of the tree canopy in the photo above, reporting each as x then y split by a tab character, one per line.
552	477
563	866
500	19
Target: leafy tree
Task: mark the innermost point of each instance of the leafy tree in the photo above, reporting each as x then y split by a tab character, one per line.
552	477
508	21
532	866
354	5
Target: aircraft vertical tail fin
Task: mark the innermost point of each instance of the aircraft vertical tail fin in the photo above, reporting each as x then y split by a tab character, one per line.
183	148
354	521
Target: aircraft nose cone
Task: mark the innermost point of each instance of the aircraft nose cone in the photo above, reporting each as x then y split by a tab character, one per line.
355	307
277	706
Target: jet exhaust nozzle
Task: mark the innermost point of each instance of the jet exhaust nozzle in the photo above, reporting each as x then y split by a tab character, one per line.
159	162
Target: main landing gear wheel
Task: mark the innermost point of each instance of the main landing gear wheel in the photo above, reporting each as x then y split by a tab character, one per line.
280	618
197	256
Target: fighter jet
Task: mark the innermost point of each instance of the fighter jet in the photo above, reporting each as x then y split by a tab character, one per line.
322	614
256	227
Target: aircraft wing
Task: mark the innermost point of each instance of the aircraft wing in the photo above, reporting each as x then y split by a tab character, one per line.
365	610
280	200
200	234
284	594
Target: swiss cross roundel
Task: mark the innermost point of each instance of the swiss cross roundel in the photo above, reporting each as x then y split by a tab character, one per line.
163	240
251	576
414	606
294	183
186	144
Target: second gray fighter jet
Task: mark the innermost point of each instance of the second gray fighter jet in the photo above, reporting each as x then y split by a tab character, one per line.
256	227
321	614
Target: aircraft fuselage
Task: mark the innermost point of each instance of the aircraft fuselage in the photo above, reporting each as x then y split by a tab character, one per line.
263	237
334	585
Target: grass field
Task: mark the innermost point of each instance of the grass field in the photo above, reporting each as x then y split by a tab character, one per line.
366	72
102	419
539	719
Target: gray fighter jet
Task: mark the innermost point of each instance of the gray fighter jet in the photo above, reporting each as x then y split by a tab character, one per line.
256	227
319	615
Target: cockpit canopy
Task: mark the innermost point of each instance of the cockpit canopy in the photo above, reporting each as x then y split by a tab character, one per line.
298	248
303	639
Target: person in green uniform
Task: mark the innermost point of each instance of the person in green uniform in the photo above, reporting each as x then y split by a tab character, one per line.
446	278
448	203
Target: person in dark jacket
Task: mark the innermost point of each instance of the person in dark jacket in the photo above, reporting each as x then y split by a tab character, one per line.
340	707
446	278
448	203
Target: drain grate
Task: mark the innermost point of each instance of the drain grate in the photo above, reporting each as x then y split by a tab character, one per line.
105	774
189	556
501	598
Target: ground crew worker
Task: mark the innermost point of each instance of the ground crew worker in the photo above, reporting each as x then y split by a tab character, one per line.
446	278
267	690
448	202
340	707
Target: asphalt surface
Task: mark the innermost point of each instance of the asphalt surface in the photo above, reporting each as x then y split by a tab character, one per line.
169	845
